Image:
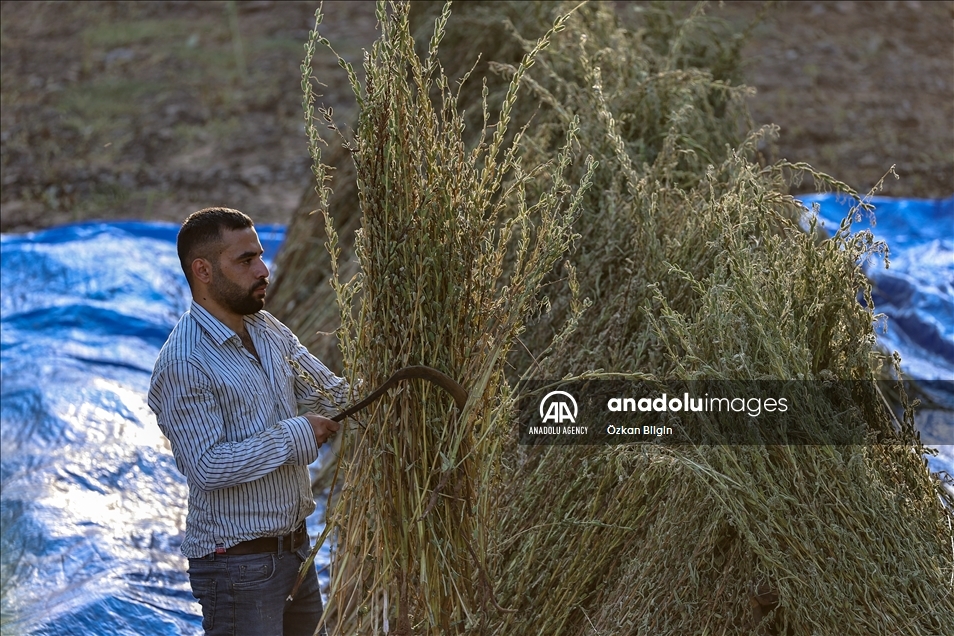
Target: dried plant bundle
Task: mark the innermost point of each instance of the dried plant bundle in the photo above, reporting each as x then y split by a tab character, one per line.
438	222
695	266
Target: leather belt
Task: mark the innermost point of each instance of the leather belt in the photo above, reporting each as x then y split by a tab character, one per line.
288	543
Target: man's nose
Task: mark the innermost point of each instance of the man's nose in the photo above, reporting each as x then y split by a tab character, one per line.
261	271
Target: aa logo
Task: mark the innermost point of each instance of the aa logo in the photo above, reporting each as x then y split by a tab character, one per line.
558	407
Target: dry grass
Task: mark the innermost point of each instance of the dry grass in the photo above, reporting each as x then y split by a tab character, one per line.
438	222
696	268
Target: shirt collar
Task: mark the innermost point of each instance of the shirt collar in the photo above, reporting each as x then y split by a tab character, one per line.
212	325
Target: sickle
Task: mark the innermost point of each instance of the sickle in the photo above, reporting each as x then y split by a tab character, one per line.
407	373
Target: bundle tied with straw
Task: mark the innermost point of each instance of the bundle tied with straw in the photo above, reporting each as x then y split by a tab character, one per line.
410	523
693	253
700	272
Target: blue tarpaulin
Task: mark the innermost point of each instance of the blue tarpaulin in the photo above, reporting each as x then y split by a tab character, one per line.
916	290
93	509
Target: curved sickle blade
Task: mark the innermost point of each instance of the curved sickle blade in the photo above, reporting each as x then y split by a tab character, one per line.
408	373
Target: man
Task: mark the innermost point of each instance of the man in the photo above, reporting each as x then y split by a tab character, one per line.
227	397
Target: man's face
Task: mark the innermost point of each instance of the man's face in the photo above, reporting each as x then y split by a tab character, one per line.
239	276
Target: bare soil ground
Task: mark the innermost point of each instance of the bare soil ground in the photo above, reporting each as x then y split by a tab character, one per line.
151	110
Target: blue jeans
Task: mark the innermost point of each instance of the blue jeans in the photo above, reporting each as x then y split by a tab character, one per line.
245	594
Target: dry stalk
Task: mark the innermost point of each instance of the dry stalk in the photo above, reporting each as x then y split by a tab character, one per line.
439	222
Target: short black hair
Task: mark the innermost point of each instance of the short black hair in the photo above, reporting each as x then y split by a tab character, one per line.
201	232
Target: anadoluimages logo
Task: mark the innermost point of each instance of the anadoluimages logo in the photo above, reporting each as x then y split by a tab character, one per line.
558	407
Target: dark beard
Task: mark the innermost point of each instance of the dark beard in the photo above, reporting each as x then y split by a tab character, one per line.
233	297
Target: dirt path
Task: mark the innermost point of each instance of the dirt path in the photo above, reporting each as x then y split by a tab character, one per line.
152	110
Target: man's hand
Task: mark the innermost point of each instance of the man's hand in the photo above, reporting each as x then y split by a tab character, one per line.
322	427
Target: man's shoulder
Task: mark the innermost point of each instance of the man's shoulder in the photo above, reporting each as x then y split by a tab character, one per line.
182	342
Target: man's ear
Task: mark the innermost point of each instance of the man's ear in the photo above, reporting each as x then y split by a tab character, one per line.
202	270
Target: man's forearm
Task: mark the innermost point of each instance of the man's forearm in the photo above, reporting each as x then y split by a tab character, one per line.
190	414
228	464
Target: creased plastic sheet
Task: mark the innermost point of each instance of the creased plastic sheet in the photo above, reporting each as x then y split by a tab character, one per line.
916	291
93	509
916	295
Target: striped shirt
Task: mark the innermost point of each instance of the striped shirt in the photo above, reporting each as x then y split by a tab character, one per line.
234	427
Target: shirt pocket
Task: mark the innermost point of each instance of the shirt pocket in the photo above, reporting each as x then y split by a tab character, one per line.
288	378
